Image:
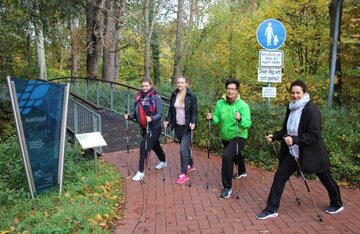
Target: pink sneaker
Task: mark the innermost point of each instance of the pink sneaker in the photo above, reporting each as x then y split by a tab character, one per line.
190	169
182	178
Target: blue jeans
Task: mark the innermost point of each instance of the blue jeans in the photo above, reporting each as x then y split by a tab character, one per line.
183	134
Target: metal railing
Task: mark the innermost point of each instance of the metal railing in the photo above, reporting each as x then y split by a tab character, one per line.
113	96
82	119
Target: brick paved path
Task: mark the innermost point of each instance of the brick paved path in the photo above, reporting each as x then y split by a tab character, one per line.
164	207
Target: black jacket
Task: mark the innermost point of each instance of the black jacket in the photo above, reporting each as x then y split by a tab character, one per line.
314	157
191	111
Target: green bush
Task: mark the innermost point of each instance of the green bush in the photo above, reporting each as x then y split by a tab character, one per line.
341	135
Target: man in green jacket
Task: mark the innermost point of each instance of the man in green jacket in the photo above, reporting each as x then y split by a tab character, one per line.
233	115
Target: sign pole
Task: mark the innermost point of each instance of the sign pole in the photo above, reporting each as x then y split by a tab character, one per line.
95	160
271	35
91	140
268	99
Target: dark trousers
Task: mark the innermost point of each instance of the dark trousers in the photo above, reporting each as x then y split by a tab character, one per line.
286	168
183	134
153	143
229	158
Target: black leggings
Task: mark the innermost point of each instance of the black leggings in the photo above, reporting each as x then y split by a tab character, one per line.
153	143
229	158
286	168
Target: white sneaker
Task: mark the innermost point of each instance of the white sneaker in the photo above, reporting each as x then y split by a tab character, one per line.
237	176
139	176
161	165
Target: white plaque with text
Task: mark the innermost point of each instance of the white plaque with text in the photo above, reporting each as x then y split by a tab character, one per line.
271	58
272	75
91	140
268	92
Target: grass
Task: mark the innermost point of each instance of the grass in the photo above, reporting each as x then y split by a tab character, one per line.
90	203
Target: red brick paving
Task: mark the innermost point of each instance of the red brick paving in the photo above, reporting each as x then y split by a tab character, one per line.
159	206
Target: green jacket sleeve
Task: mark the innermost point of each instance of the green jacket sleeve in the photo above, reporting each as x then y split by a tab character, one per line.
245	122
216	115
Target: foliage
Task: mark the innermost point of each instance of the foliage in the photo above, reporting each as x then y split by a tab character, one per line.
341	136
16	56
90	203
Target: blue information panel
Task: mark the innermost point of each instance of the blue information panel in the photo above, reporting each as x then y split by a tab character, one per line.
271	34
41	109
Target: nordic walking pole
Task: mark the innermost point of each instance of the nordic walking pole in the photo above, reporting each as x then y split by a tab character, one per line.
165	152
146	144
237	157
208	151
127	143
191	142
146	148
292	187
308	189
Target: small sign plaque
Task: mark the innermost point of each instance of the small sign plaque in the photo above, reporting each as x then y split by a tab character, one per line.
91	140
268	92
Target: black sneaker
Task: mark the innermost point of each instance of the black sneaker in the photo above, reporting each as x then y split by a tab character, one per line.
225	193
267	214
334	209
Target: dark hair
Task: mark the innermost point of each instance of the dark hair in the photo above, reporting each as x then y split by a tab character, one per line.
299	83
146	79
232	81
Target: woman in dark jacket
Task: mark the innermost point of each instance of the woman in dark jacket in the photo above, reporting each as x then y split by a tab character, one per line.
301	139
182	116
148	110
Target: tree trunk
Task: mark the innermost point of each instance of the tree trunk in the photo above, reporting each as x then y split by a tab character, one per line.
187	48
155	48
40	49
114	23
338	73
95	28
119	28
147	39
179	35
151	10
109	43
74	48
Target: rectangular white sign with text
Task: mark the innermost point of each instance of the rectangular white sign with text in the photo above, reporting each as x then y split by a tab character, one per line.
269	75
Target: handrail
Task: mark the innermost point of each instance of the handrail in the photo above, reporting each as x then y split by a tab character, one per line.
93	105
112	100
103	81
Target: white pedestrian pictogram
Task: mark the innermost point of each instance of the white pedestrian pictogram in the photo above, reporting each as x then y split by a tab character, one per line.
269	34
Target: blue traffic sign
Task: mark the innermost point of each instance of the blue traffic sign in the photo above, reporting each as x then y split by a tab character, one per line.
271	34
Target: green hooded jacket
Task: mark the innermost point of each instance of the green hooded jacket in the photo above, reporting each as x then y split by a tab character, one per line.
224	115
